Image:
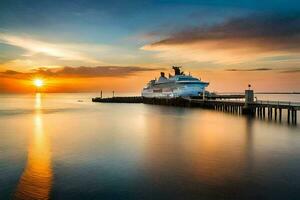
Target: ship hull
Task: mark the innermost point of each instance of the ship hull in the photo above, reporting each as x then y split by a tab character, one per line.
168	91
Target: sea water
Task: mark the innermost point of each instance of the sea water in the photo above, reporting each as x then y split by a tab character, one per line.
63	146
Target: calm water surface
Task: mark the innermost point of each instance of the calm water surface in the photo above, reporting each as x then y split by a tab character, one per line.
54	146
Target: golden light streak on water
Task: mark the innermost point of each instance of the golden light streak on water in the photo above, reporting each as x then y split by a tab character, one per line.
38	102
36	180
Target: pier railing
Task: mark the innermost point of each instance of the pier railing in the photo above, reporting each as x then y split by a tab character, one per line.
278	103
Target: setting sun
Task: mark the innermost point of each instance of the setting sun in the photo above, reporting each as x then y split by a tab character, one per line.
38	83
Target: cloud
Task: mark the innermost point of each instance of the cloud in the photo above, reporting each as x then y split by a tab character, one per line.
62	51
249	70
279	70
235	40
78	72
291	71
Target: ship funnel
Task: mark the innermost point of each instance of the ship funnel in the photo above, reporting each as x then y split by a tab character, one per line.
177	70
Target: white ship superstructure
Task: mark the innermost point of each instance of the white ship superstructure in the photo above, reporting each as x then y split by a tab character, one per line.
178	85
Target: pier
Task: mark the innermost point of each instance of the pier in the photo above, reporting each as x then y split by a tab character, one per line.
271	110
134	99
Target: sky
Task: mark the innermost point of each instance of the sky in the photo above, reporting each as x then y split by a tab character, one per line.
88	46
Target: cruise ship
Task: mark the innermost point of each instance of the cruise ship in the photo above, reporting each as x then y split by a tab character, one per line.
177	85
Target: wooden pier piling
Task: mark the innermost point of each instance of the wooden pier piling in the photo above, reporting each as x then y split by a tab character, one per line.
280	114
288	115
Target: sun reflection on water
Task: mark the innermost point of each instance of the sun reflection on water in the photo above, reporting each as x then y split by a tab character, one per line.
38	102
36	180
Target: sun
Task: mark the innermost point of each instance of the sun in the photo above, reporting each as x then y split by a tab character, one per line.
38	83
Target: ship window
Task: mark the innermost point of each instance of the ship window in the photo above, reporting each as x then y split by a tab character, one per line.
191	83
187	79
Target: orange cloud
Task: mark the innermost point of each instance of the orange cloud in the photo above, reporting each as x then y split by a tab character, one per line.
81	79
79	72
134	81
